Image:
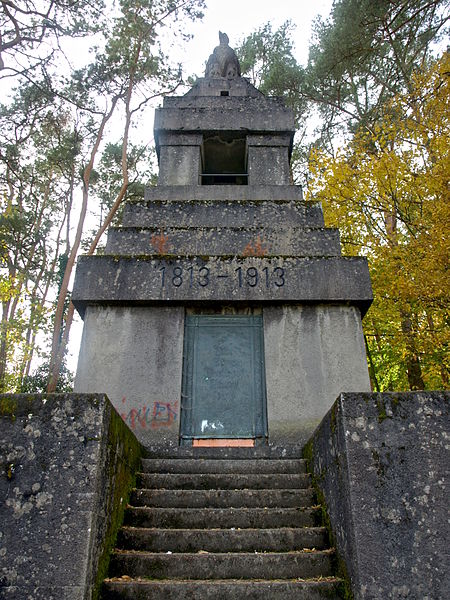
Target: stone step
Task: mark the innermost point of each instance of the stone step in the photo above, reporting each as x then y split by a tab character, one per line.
217	213
281	453
287	193
217	241
230	522
222	498
282	539
179	518
225	465
231	565
230	589
219	481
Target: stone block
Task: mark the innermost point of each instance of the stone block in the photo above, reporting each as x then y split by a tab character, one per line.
133	280
381	462
226	192
268	164
143	347
207	87
216	241
179	165
281	140
220	213
192	114
180	139
312	354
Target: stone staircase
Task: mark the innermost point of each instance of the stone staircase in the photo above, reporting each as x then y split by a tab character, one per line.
222	523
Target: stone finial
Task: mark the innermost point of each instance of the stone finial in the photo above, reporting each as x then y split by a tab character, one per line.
223	62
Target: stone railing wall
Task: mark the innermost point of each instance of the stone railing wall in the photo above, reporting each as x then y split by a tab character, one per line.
381	464
67	464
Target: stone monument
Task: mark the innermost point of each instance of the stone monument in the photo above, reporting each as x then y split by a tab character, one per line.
222	311
223	314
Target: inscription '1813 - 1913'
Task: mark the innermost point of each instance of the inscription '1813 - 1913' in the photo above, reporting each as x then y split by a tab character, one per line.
194	276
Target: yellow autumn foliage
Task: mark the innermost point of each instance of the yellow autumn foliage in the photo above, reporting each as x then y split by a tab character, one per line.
388	192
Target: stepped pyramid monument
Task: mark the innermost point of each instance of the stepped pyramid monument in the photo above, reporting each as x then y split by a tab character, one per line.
222	440
222	308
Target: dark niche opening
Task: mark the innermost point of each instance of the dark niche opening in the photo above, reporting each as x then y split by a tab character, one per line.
224	159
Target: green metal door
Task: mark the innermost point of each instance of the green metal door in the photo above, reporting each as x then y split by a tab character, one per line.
224	391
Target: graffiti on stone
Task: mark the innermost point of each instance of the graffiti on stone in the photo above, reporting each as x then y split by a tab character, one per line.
160	243
255	248
154	416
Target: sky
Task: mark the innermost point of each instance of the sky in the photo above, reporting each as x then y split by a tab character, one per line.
238	19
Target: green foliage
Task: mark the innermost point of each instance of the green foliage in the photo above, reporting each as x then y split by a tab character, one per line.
52	131
140	163
365	53
388	193
35	190
266	57
37	382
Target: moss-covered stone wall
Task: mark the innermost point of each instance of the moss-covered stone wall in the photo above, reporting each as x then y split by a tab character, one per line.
67	465
381	466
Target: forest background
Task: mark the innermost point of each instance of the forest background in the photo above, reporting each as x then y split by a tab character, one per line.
371	104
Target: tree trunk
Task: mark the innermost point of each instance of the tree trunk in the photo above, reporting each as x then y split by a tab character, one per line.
4	344
413	368
57	353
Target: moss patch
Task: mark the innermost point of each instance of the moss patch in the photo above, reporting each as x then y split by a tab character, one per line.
123	460
344	587
382	415
16	405
8	406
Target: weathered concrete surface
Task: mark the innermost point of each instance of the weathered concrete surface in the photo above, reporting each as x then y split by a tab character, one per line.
290	451
322	589
128	280
135	355
230	539
214	87
382	464
227	192
268	159
245	97
193	114
206	566
268	140
180	165
269	241
220	518
224	481
233	107
268	165
305	367
179	460
312	354
67	463
224	213
227	545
